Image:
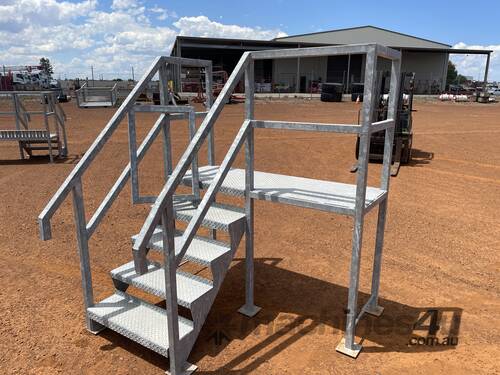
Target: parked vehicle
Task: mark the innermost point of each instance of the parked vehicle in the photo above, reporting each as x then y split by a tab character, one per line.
40	79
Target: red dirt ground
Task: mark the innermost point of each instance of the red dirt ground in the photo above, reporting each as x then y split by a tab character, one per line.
441	252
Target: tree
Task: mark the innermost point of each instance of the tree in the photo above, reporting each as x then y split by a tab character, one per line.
452	74
46	66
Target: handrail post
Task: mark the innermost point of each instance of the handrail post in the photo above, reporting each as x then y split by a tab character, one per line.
77	97
392	113
211	136
369	97
249	309
132	146
61	118
208	105
194	162
168	230
52	109
16	111
83	252
45	100
164	100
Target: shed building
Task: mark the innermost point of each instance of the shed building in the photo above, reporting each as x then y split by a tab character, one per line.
428	59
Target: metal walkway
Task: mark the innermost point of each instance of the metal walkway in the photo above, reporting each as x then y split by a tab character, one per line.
165	330
96	97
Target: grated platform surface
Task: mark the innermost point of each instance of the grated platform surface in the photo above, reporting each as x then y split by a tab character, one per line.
299	191
219	216
202	250
26	135
138	320
189	287
96	104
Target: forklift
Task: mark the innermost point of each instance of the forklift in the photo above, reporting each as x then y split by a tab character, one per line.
403	133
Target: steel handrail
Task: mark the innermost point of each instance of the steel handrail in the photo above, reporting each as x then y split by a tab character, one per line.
94	149
173	182
212	190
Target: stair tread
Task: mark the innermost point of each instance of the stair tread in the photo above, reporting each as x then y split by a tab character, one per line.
327	196
202	250
138	320
189	287
219	216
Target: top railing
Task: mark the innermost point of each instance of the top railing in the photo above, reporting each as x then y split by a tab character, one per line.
74	178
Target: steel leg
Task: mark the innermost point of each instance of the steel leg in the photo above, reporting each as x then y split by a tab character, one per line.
347	345
249	309
21	151
373	308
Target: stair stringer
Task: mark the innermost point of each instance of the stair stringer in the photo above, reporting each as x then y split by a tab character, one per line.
201	308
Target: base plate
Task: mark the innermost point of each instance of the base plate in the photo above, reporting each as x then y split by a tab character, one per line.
94	327
353	353
249	311
375	310
187	370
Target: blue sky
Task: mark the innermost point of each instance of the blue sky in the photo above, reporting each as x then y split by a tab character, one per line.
113	35
449	21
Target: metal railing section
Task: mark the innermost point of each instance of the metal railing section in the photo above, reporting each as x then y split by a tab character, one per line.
73	181
165	198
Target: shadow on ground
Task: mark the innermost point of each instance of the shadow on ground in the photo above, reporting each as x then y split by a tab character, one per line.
42	159
420	157
294	305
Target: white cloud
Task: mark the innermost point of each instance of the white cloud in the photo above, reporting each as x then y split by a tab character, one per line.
204	27
19	14
76	35
162	13
474	65
124	4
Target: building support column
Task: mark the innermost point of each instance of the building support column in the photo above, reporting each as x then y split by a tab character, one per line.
178	68
297	78
485	82
347	88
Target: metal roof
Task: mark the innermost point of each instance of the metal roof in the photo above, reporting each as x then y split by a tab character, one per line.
365	34
255	45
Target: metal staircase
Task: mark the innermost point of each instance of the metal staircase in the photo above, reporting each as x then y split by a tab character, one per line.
50	138
165	330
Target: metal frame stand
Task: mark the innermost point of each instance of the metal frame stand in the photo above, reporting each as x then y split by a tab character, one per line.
27	137
163	213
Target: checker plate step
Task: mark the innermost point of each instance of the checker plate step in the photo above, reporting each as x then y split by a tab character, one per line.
138	320
189	287
202	250
219	216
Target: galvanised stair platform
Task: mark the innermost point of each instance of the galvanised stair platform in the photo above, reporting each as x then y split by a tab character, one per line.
51	138
96	97
164	330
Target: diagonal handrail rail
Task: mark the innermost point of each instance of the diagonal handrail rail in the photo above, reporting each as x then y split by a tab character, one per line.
94	149
173	182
